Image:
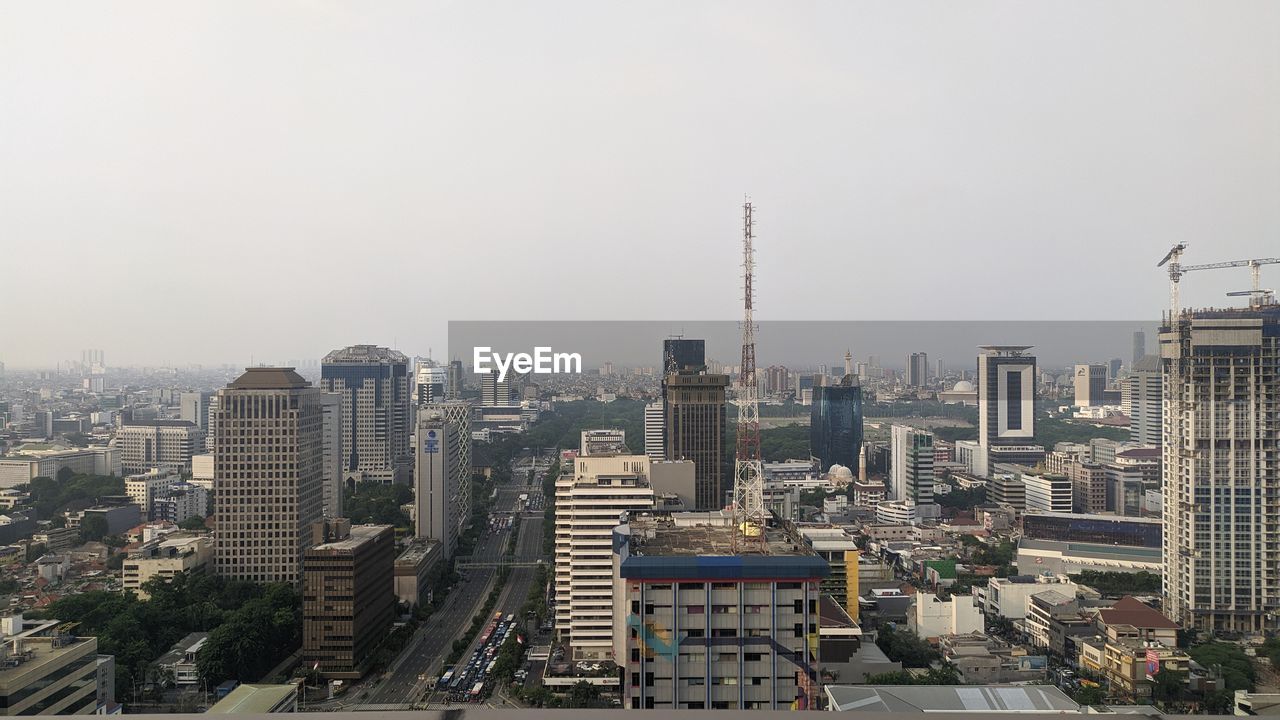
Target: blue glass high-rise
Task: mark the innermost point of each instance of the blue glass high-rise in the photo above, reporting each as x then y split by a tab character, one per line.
835	425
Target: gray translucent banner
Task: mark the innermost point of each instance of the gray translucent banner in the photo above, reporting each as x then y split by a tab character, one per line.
806	344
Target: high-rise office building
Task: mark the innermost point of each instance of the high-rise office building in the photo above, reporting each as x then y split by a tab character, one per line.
1220	471
1090	384
1145	400
458	414
654	433
683	354
429	382
348	596
1006	407
917	373
835	424
374	384
700	627
911	469
1113	369
195	408
331	414
268	474
1139	346
436	484
495	392
695	430
167	444
591	494
453	380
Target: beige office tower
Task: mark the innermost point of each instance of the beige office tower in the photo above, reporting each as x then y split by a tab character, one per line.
436	480
1220	474
591	495
268	475
695	430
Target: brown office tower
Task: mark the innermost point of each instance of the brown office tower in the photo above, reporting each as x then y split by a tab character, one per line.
348	597
695	425
268	475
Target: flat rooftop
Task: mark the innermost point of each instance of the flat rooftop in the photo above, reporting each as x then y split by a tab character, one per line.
669	548
360	534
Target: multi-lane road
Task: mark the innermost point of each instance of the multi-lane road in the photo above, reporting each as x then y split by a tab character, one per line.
406	683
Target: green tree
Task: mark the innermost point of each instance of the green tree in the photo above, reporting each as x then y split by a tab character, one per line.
583	695
902	645
1237	669
1089	695
194	522
93	527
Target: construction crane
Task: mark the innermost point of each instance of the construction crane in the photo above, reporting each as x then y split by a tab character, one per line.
1176	270
1257	297
748	473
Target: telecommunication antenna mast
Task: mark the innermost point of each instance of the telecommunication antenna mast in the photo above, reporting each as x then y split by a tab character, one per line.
748	476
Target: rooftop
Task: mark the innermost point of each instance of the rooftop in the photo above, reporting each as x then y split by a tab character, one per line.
269	378
253	699
360	534
667	548
365	354
949	698
1129	610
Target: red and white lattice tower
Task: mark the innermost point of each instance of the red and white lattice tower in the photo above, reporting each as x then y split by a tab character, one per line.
749	514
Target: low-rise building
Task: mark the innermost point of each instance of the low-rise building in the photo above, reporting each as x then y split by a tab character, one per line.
180	661
1009	597
981	659
413	570
934	616
164	558
257	700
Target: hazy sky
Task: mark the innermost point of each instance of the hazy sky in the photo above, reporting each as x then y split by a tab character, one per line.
205	181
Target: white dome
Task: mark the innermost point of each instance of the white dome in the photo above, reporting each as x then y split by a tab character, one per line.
963	386
838	472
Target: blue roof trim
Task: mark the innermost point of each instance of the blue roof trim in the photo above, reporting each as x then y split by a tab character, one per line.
723	567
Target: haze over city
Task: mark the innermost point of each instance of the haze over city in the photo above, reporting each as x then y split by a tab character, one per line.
270	181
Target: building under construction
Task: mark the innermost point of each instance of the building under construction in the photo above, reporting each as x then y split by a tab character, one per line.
1221	467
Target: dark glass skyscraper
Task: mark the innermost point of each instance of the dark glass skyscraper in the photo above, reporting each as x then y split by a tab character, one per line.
835	425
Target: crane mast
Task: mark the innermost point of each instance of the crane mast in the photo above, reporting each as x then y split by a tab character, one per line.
749	514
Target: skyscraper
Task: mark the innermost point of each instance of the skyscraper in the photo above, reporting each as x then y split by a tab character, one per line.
917	374
911	469
458	413
591	494
495	392
654	434
195	408
835	424
268	469
695	430
1006	406
436	480
331	424
1221	414
453	380
1139	345
374	384
1090	384
1145	399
